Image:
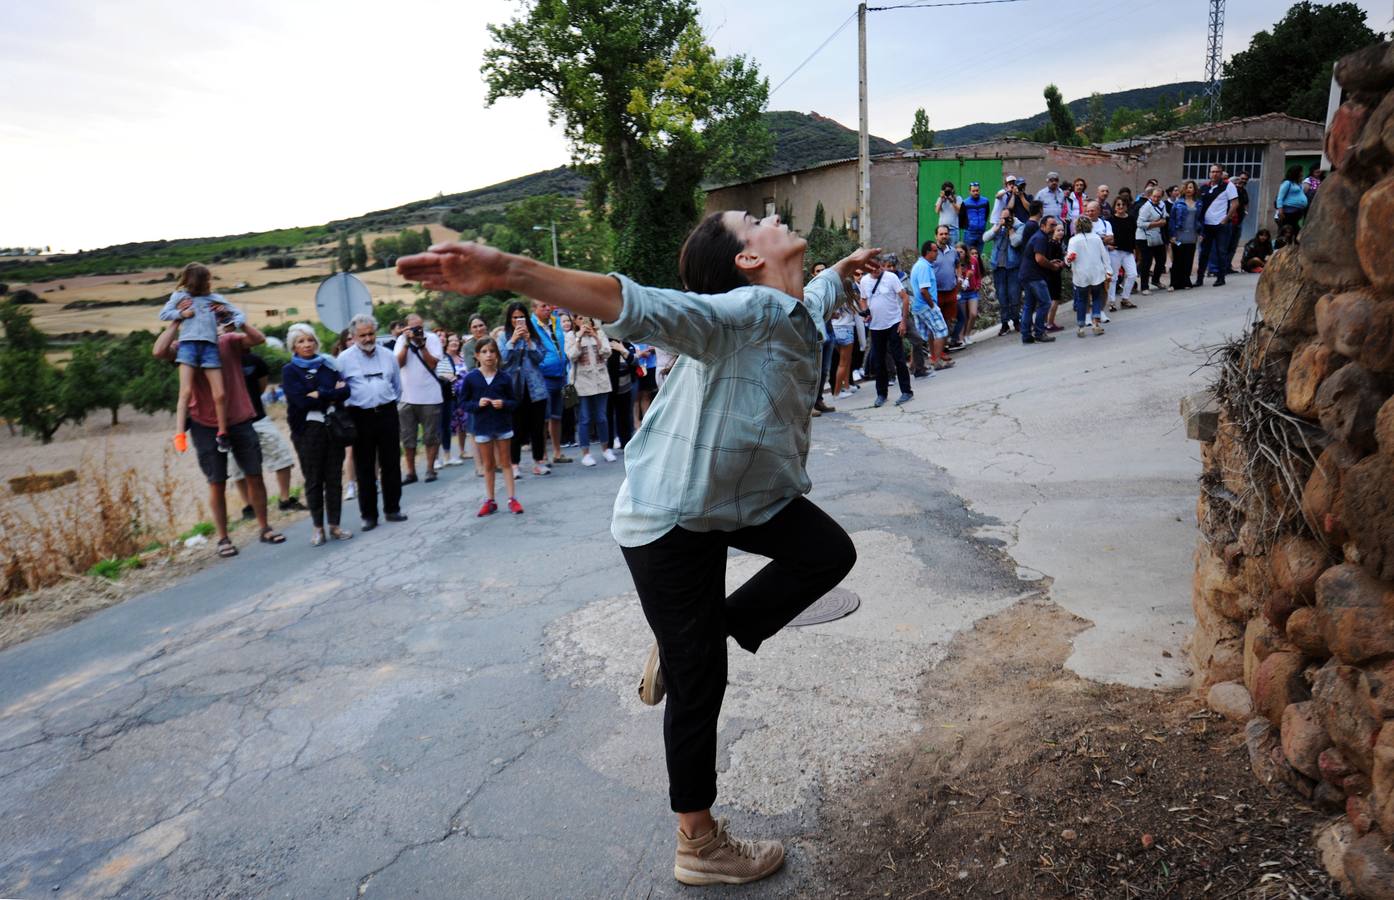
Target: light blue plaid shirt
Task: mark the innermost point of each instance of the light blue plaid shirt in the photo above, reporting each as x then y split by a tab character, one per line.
726	442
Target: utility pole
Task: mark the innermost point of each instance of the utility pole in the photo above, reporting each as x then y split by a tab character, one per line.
863	138
1214	59
555	263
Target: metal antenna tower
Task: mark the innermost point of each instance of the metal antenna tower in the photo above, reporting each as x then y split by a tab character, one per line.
1214	59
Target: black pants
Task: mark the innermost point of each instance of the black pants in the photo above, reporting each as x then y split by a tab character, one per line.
322	463
377	446
681	580
883	341
1183	258
1154	261
529	424
619	413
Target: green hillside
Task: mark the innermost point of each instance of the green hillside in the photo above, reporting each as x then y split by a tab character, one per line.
1138	98
804	139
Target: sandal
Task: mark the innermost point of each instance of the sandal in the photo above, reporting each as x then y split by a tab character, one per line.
339	534
317	538
225	548
271	536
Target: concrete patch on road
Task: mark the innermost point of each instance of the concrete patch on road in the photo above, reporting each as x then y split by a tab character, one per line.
1076	451
815	707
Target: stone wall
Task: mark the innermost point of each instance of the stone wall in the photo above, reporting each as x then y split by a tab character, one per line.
1294	582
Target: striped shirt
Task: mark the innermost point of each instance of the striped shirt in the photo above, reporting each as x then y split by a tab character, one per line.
725	443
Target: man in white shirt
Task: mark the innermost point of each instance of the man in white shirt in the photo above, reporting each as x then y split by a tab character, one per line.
418	351
1052	197
375	385
1219	200
887	301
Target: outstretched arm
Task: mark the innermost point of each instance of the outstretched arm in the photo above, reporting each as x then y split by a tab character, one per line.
469	268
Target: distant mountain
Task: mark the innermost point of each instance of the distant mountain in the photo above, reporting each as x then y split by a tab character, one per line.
1138	98
805	139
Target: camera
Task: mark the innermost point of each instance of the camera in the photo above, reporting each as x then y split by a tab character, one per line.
418	331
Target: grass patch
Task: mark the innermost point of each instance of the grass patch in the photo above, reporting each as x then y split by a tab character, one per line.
200	529
113	568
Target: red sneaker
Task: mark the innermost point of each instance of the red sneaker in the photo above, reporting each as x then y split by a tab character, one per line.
514	506
488	508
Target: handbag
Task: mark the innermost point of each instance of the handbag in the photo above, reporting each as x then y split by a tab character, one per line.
340	425
569	397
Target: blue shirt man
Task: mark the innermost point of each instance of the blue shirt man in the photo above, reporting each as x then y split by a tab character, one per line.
975	215
922	278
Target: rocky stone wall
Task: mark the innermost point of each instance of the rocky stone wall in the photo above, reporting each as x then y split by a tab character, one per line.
1294	581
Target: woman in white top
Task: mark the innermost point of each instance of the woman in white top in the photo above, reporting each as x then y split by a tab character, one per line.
1090	270
588	349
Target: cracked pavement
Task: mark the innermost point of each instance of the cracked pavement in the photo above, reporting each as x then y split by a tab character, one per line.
447	707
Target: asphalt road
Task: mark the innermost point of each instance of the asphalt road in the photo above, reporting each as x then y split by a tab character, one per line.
446	707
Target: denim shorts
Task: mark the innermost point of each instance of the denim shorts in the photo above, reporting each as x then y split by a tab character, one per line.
555	386
199	354
969	296
490	438
844	336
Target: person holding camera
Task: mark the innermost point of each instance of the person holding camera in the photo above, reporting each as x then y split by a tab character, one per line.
418	351
949	206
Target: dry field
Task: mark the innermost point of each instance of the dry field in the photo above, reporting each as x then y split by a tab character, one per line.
272	292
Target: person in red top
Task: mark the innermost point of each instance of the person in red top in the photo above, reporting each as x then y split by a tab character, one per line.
203	428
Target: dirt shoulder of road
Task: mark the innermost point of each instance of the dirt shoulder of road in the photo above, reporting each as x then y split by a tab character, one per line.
1028	781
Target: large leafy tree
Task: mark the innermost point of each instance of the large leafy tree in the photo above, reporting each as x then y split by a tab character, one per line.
1062	121
31	388
1289	68
921	135
648	107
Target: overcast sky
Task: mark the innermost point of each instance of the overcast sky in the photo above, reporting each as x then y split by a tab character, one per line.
151	119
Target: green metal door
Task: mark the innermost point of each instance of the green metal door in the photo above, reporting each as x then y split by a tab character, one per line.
933	174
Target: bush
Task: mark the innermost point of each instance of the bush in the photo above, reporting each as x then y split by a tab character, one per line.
24	296
95	526
280	262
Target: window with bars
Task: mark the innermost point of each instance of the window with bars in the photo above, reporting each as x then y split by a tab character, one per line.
1243	158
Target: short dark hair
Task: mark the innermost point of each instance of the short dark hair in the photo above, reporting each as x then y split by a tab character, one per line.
927	246
484	343
1035	208
707	263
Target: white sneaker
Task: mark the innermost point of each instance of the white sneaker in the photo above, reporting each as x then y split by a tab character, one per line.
440	464
351	491
1104	317
609	455
616	444
857	375
844	394
455	461
588	460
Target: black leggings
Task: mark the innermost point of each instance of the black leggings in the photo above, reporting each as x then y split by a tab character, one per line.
529	424
322	463
1183	258
1154	263
681	580
619	413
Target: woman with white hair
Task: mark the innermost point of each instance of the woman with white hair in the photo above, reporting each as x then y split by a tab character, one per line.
312	385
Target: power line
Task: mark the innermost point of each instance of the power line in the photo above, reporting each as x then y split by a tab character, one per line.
928	5
924	4
819	49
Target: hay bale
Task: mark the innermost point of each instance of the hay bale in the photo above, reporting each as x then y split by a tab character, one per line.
40	482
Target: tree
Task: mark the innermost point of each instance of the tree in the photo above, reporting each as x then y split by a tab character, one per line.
1062	121
90	382
1096	120
30	386
426	239
921	135
1289	69
648	107
344	255
359	255
156	386
820	217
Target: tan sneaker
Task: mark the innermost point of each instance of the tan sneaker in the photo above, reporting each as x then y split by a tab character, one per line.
651	688
718	858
